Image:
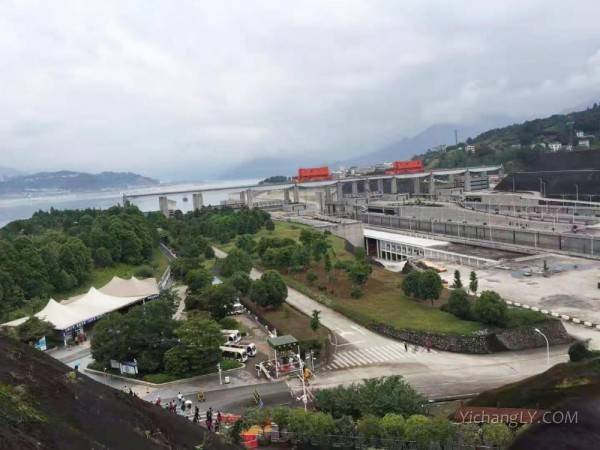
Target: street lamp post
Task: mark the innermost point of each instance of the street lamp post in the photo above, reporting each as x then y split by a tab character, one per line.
537	330
220	373
304	397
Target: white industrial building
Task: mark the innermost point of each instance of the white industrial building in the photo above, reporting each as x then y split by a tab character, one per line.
400	247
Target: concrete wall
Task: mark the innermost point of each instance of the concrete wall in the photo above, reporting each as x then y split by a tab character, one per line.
573	244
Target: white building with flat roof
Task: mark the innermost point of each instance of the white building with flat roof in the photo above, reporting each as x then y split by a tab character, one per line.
390	246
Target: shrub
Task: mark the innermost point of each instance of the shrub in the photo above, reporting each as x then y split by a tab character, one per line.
311	277
496	434
580	351
517	317
459	305
490	309
144	272
356	292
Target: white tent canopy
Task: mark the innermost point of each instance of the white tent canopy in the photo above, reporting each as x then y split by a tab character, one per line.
132	287
95	303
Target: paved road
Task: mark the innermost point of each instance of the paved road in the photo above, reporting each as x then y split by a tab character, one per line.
364	354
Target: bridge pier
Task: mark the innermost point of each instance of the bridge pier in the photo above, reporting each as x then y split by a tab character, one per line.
286	196
243	197
394	186
431	185
339	189
367	186
380	185
197	201
467	184
355	188
296	192
417	186
249	198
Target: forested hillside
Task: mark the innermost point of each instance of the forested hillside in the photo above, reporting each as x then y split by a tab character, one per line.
72	182
53	252
522	146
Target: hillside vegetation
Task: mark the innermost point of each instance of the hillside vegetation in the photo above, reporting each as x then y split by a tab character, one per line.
72	182
522	146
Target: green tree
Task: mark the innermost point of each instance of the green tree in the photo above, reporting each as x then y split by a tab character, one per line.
417	429
258	292
459	305
359	272
411	282
200	333
102	257
315	320
242	282
369	427
236	261
311	276
473	283
320	427
198	279
490	309
392	427
269	225
430	286
496	434
457	281
275	288
220	299
33	329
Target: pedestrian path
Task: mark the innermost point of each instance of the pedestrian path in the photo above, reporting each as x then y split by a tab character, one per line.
392	353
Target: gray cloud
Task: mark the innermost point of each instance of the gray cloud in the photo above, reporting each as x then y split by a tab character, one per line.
191	87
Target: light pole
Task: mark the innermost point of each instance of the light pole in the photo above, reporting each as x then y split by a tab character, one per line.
537	330
220	373
304	397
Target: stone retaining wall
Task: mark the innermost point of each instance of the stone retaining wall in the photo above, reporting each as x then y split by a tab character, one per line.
490	342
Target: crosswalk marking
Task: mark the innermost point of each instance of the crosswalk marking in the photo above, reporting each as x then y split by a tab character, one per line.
376	355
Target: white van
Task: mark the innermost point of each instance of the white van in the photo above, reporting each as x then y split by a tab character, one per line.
239	354
232	336
237	308
248	346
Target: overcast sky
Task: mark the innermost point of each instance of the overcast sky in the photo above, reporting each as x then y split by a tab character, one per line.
167	87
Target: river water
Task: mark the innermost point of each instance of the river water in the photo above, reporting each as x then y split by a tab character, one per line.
15	208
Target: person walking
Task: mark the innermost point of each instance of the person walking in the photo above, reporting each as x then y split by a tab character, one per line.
179	397
196	415
406	347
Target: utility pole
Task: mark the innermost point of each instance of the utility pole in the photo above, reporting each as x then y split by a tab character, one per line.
455	137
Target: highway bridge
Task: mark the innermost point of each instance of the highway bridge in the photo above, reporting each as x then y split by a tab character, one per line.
355	184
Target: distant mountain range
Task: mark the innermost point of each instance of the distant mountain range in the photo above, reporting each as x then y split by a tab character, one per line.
8	172
67	181
435	135
404	148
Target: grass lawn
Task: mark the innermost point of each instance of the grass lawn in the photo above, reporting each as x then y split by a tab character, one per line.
288	320
101	276
382	302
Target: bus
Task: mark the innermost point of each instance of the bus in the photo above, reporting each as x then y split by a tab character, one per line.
232	336
238	354
248	346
